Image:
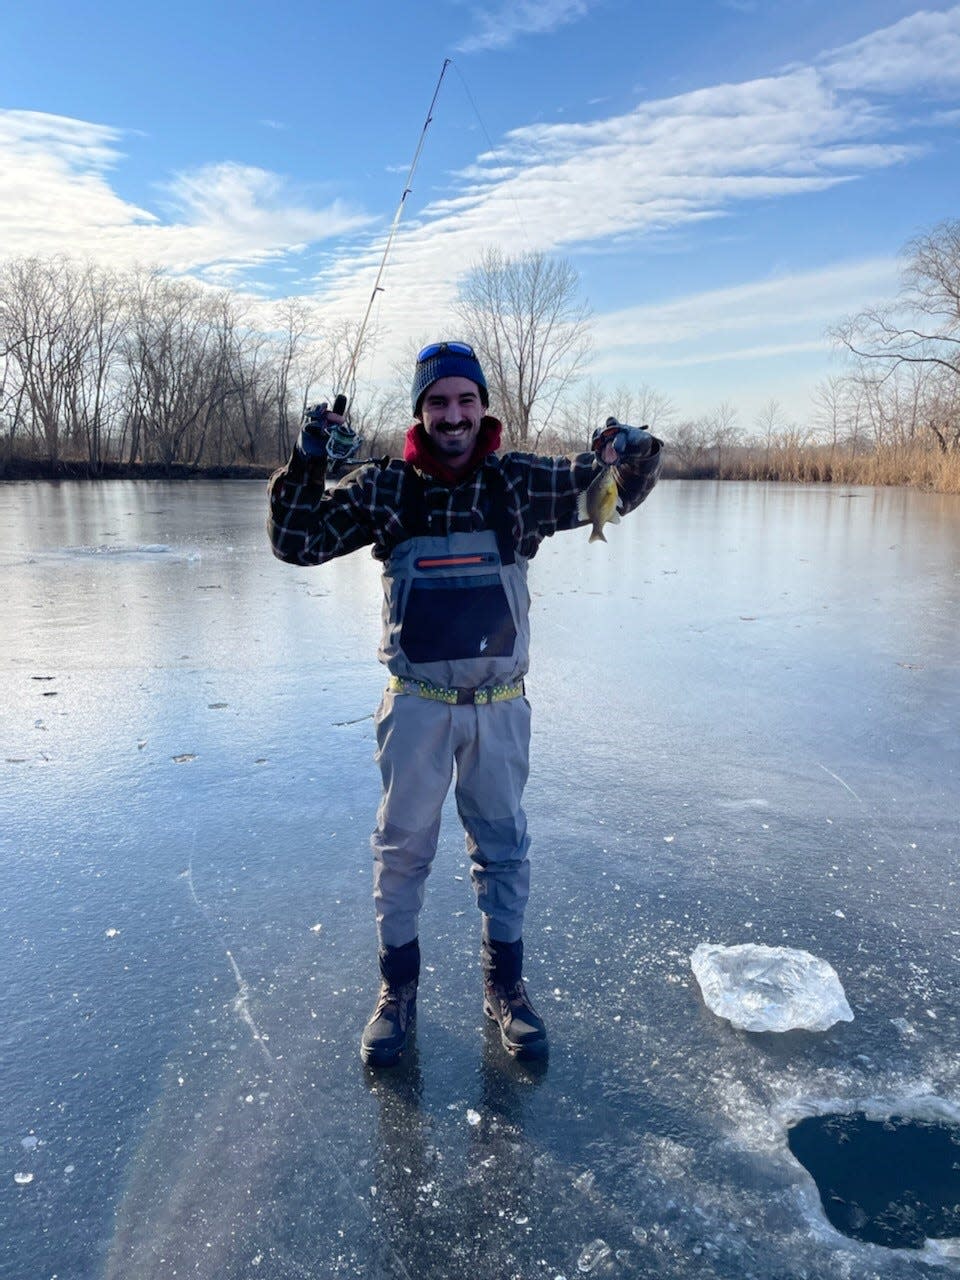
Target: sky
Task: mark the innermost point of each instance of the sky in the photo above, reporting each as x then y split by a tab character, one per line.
729	178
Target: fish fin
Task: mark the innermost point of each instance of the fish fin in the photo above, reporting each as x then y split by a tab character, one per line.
613	517
582	513
596	536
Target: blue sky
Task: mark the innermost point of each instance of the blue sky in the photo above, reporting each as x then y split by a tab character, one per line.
729	177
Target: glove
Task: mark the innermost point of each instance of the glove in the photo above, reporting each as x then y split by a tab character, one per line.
314	431
628	443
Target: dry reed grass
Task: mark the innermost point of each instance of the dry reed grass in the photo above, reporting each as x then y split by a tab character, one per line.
910	465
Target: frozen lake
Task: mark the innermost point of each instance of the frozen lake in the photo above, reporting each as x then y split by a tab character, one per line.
745	730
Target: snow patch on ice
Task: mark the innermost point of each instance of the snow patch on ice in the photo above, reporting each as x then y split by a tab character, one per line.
137	550
122	549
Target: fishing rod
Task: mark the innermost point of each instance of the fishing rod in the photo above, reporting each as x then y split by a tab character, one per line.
341	400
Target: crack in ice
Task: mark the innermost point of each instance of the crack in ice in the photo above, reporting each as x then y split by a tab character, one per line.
836	777
241	1006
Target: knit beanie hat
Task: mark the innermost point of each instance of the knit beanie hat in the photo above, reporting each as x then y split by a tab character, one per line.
446	360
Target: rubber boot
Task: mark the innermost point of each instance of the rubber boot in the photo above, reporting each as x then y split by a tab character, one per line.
505	1000
385	1035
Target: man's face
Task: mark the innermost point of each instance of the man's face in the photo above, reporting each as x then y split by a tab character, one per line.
451	412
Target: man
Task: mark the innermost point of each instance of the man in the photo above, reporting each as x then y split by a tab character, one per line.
455	526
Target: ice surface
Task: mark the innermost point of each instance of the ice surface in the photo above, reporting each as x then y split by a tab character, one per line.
652	1129
760	988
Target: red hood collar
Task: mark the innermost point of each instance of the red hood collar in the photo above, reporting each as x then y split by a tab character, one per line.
418	449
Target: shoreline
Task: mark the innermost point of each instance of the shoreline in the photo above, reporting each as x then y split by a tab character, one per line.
73	469
872	472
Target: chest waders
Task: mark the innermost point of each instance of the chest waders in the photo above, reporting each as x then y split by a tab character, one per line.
456	643
456	608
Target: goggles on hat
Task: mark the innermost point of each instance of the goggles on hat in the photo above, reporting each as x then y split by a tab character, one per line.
440	348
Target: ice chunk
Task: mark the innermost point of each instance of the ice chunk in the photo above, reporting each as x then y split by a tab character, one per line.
769	988
592	1255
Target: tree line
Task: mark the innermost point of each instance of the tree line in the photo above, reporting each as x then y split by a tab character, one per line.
137	368
891	417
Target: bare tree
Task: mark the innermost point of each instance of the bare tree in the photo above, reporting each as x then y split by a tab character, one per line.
720	428
575	419
12	395
770	422
93	396
831	407
921	328
376	417
177	349
294	321
689	444
530	331
40	322
644	407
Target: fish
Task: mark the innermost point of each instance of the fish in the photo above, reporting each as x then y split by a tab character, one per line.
599	503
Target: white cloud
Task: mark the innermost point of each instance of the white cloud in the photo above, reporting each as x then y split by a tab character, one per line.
921	51
762	351
800	299
245	210
502	23
56	197
670	163
744	344
68	141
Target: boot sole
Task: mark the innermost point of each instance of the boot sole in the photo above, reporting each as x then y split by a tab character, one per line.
379	1058
532	1052
386	1057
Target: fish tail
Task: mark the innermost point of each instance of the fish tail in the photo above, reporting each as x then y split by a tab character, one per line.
596	536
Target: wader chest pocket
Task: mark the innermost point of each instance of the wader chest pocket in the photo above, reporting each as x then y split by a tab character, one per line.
457	617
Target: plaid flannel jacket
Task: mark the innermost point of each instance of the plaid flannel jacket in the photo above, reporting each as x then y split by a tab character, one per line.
309	524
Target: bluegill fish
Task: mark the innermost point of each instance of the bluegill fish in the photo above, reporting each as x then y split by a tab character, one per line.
598	504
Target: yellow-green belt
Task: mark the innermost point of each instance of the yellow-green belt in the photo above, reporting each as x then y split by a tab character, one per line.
457	697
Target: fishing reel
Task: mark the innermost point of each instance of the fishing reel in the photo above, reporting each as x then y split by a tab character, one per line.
331	445
343	442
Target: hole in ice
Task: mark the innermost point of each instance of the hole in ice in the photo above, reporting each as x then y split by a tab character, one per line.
893	1182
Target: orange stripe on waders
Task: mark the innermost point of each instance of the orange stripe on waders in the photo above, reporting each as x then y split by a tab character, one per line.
443	561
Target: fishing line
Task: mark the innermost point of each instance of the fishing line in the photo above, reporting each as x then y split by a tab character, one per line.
491	147
407	188
343	399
